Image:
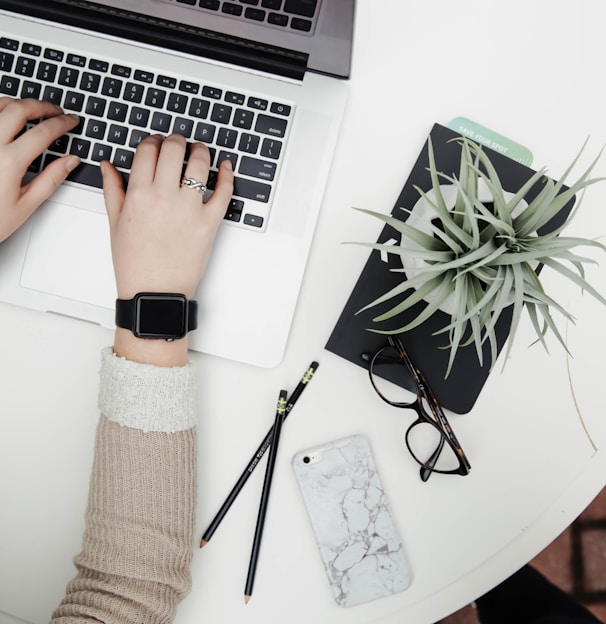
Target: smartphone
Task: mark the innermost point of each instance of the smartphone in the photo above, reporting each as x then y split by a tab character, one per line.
354	529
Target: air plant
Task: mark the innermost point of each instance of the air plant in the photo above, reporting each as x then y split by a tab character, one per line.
482	256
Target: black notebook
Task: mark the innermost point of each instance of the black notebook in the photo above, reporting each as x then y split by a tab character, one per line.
351	336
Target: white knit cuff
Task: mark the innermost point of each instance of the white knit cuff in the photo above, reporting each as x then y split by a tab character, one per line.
142	396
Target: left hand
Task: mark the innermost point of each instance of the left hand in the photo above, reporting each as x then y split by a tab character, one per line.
17	201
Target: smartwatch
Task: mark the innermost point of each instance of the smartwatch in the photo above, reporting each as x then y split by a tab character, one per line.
167	316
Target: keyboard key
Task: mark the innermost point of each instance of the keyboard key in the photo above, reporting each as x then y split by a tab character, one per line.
166	82
117	111
257	103
25	66
296	23
250	189
53	94
95	106
177	103
253	220
112	87
133	92
31	49
280	109
144	76
304	8
101	152
90	82
243	119
97	65
234	98
53	55
87	174
212	92
183	126
277	19
76	59
249	143
74	101
123	158
59	145
6	61
257	15
230	8
161	122
271	148
221	113
9	44
188	87
199	108
95	129
80	147
228	156
136	136
138	117
274	5
205	132
68	77
46	72
212	5
155	97
271	125
30	90
9	85
117	134
256	168
121	70
227	137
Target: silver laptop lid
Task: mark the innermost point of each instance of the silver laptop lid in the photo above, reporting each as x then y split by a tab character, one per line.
282	37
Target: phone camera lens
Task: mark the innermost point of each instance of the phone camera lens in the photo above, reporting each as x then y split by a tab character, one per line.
306	460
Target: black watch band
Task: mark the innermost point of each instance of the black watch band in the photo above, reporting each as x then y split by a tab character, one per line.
167	316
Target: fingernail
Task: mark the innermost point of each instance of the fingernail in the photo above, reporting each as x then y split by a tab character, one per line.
227	163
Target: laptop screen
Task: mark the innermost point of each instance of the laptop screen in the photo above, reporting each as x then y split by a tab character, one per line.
282	37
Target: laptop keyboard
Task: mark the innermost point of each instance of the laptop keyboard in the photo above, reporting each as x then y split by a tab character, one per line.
119	105
294	15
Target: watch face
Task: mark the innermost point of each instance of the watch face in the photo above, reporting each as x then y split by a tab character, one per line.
161	316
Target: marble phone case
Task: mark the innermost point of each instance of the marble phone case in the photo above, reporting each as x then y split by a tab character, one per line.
352	523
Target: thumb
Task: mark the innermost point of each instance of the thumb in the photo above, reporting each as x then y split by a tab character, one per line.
46	183
113	191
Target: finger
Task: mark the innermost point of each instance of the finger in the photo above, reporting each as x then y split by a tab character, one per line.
33	142
143	171
224	189
46	183
15	113
113	192
170	162
198	166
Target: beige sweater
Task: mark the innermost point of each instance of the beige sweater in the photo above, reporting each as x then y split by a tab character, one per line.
138	542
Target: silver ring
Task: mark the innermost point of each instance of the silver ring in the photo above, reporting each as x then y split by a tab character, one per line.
194	184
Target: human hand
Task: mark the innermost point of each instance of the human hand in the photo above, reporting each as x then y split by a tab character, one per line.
18	202
161	233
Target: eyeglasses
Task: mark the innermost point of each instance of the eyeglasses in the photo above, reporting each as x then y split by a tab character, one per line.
430	439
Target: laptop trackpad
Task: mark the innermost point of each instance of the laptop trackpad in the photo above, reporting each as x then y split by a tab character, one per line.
69	255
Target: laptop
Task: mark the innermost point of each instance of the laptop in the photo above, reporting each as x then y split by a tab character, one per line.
262	82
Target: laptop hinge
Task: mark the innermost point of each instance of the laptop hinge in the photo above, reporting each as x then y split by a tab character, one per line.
166	34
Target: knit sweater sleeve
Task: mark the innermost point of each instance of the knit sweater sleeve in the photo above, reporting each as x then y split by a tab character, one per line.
138	541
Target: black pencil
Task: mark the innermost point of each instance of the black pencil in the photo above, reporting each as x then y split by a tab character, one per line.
269	473
256	458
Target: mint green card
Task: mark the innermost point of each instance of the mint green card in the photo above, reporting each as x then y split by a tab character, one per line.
494	141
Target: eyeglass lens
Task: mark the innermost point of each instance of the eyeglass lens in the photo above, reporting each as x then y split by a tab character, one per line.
425	440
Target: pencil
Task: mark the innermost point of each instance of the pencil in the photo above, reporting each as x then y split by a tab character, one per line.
269	473
256	458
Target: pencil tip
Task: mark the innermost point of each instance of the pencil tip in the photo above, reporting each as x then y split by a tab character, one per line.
203	543
246	599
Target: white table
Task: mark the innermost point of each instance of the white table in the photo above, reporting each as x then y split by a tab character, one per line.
531	71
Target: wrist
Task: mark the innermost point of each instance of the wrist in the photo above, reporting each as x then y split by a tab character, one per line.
145	351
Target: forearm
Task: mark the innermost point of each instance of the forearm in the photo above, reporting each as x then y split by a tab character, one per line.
138	543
